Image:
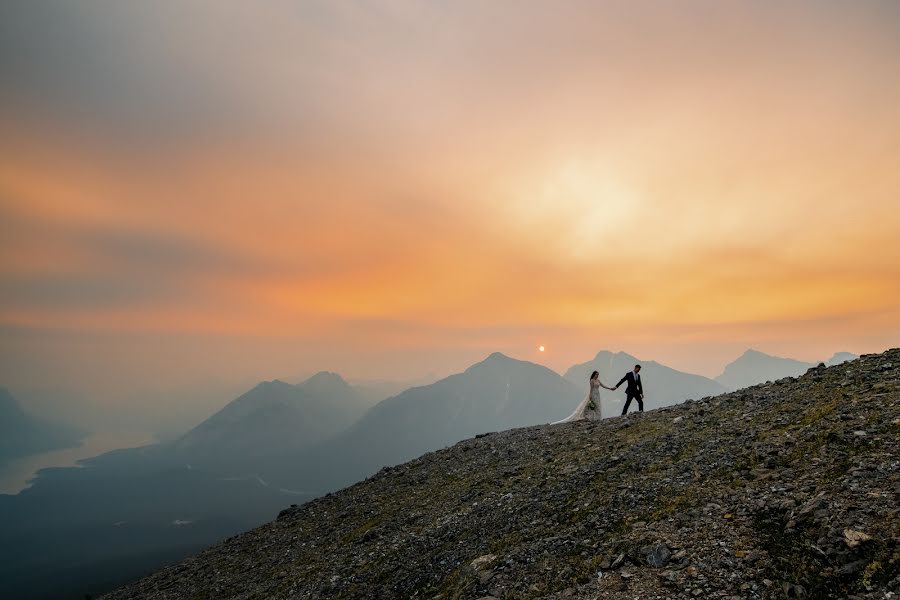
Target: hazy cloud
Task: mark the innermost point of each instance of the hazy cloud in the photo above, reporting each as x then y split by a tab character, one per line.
388	188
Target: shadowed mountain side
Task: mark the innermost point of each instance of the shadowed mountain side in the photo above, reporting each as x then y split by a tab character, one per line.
663	386
83	530
127	511
498	393
22	434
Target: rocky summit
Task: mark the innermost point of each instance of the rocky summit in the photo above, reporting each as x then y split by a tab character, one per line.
784	490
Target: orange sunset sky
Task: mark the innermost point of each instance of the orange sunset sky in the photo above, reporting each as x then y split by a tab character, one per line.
208	191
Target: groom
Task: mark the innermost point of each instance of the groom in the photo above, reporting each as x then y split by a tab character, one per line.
633	389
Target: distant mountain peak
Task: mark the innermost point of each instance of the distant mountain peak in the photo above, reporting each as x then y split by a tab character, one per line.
265	385
840	357
754	367
495	359
272	416
610	355
323	378
754	354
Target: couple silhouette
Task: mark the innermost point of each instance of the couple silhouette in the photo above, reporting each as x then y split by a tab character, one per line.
590	407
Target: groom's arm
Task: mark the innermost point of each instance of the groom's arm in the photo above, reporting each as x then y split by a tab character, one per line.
624	379
641	386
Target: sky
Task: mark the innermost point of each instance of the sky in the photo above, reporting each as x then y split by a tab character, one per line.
199	194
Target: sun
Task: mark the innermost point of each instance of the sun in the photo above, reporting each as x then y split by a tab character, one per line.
540	348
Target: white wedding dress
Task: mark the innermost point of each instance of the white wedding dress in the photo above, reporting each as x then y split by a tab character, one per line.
584	411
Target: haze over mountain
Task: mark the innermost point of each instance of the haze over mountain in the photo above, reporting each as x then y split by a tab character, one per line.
754	367
273	418
663	386
376	390
495	394
22	434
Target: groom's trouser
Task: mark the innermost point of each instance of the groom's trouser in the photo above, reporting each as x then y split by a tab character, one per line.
628	397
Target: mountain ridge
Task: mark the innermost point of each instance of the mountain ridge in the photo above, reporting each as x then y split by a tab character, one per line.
270	418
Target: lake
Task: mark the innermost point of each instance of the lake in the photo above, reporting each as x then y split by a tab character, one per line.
17	474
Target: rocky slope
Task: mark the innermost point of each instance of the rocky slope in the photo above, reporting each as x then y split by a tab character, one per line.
782	490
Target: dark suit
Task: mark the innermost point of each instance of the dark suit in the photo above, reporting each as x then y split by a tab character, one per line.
633	390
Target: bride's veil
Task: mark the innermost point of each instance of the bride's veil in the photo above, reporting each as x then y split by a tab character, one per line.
577	413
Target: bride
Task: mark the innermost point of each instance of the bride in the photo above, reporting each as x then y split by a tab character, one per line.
590	407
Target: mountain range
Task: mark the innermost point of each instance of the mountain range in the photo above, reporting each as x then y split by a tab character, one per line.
322	434
496	393
782	490
132	510
279	444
